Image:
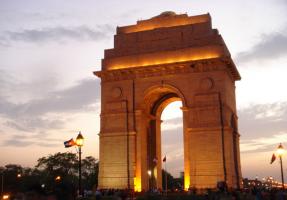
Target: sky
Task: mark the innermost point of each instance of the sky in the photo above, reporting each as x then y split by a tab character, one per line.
48	93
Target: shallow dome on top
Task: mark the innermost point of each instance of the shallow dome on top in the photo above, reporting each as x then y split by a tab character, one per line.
167	14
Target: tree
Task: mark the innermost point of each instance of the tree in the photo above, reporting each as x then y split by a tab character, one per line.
90	170
170	180
65	165
59	164
43	178
12	175
59	172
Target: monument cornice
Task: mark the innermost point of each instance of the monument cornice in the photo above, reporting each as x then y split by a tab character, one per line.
204	65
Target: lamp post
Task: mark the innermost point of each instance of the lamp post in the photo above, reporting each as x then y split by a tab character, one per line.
80	143
2	182
149	178
280	152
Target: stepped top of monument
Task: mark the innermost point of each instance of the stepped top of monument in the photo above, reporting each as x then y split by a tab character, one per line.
165	19
168	38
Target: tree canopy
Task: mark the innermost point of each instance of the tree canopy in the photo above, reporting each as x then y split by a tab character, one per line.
57	172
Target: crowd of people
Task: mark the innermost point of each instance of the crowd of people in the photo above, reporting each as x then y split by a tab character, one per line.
194	194
220	193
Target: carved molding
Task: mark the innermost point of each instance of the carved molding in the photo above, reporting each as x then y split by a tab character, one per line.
116	134
216	64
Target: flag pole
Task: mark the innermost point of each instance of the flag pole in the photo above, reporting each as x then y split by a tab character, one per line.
165	176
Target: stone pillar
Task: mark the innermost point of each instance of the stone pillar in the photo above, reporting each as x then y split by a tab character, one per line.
117	148
186	146
206	142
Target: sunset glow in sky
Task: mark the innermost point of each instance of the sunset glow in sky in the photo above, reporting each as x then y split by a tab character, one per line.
49	49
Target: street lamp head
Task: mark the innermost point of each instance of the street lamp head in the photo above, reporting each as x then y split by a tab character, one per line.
58	178
280	150
6	196
80	140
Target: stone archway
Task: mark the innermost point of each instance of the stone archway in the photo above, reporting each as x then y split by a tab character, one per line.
168	57
155	100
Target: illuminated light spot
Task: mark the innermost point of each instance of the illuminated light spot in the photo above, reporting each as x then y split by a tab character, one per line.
128	63
186	182
137	184
58	178
164	20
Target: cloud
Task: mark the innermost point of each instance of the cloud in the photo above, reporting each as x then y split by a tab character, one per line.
172	142
172	124
29	141
284	3
78	97
270	46
29	124
263	120
51	112
15	90
24	139
262	127
17	143
58	34
172	138
262	144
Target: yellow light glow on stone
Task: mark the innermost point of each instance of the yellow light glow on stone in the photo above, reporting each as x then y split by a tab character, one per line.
163	22
6	196
137	184
186	182
155	61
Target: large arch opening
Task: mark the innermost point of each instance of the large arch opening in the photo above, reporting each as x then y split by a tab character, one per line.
172	144
157	101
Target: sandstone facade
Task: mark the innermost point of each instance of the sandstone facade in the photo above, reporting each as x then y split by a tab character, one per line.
167	58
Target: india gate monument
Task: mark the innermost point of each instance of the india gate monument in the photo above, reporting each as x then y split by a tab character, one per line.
169	57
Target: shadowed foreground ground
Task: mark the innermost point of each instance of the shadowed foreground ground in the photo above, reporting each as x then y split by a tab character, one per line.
252	194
